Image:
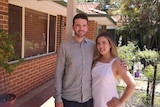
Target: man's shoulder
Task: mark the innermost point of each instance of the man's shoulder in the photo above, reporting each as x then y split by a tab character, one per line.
66	42
90	41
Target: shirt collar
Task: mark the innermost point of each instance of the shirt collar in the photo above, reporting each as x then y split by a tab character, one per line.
84	41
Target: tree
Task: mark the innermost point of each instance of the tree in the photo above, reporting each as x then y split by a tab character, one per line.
7	52
140	21
104	4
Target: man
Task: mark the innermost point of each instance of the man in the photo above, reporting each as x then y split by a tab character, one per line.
73	71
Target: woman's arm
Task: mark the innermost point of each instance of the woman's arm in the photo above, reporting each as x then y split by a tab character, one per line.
128	79
119	70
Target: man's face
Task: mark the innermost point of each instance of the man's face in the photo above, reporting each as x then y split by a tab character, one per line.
80	27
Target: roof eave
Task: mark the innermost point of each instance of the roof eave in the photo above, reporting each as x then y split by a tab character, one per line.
102	15
63	3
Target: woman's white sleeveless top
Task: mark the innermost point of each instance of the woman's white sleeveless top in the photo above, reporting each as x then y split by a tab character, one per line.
104	84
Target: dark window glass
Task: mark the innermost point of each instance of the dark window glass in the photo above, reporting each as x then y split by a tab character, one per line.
52	28
15	26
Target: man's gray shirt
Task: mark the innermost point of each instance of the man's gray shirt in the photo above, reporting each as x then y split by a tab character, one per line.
73	71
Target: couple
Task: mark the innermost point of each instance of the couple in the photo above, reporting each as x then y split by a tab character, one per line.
86	79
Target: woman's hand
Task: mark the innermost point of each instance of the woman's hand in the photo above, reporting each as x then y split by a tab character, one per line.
114	102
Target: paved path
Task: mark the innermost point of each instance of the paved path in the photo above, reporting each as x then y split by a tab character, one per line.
42	96
142	85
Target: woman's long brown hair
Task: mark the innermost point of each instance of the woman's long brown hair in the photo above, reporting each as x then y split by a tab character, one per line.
113	49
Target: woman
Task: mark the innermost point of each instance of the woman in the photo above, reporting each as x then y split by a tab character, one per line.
105	72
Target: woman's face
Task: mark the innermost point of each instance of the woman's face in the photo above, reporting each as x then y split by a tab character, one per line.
103	45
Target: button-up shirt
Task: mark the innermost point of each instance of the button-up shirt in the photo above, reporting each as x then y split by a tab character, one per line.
73	71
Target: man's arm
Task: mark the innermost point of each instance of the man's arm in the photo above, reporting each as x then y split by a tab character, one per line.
58	79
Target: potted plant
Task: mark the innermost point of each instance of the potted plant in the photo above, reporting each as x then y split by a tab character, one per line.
7	53
7	100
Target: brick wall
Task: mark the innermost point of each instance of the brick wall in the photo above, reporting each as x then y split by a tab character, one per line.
28	75
92	30
4	14
61	30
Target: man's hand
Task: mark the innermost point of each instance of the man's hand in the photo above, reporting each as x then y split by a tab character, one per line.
59	104
124	64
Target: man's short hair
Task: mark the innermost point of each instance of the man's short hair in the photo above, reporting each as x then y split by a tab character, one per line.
80	15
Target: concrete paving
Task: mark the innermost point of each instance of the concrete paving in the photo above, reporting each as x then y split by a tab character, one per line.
41	96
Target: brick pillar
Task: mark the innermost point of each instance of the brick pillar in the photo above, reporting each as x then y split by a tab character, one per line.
92	30
104	28
4	14
61	30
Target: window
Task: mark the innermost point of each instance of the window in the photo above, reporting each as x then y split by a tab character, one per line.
37	40
35	33
15	25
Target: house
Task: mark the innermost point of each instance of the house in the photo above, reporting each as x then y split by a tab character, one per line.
94	13
42	25
104	21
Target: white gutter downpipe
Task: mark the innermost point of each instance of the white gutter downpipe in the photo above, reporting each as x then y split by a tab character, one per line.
71	11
